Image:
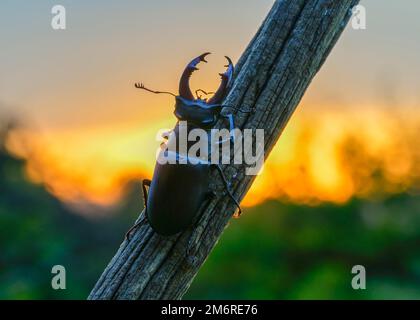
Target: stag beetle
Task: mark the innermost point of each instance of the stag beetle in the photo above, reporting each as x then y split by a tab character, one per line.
176	191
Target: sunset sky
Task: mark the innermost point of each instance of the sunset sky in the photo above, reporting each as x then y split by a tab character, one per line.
87	130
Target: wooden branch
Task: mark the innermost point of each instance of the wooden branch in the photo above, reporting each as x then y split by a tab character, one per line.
271	76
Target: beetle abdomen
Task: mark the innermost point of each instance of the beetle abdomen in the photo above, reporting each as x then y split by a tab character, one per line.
175	196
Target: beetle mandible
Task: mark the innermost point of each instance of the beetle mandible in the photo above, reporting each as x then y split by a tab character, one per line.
176	190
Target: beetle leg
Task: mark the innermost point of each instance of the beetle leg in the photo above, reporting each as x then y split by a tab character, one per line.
227	187
229	116
231	129
145	182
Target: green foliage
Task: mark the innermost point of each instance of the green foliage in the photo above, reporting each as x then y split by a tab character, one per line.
275	251
285	251
38	232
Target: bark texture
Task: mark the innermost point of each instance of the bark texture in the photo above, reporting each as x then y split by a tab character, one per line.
271	77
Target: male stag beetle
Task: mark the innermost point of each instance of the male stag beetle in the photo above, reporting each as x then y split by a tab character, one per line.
177	190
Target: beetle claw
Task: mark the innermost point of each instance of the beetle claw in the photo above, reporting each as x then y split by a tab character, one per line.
194	62
184	86
229	71
226	79
237	214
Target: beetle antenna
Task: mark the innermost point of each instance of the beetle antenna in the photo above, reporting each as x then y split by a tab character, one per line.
225	182
141	86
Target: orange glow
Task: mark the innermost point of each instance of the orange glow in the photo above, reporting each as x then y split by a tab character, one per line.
331	155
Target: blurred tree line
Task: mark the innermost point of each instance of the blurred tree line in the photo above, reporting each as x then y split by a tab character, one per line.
276	250
37	232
